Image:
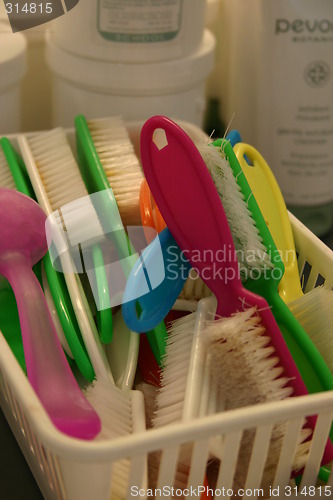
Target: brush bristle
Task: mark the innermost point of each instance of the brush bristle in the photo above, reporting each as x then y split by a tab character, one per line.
121	414
251	251
113	407
6	178
314	311
120	164
244	361
120	475
171	394
57	167
80	220
149	392
154	459
247	372
65	193
194	288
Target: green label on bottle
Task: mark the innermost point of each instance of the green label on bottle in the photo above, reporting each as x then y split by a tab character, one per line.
139	21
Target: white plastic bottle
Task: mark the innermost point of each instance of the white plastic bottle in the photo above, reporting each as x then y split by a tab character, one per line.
294	104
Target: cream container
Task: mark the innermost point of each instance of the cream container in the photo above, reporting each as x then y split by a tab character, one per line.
135	91
131	31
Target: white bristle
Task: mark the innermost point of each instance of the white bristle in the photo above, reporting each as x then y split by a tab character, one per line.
251	252
149	392
113	406
120	164
122	414
79	218
120	473
244	361
58	184
6	178
314	311
171	395
194	288
247	372
57	167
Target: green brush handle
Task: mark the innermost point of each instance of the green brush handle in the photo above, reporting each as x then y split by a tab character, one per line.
274	274
96	180
58	288
104	322
17	168
312	367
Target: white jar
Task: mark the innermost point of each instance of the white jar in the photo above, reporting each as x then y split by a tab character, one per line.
13	48
136	91
131	30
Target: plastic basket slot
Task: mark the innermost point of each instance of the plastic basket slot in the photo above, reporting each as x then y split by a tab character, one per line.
200	458
52	473
288	450
119	480
312	250
227	467
167	468
27	433
320	280
259	457
137	473
9	399
305	275
320	436
44	463
312	280
32	448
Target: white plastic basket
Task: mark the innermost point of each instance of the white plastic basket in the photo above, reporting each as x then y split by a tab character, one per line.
66	468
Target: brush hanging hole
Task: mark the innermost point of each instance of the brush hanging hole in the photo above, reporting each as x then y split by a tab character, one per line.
160	139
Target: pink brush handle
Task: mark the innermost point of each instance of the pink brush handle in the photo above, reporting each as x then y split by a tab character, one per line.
179	179
47	368
191	207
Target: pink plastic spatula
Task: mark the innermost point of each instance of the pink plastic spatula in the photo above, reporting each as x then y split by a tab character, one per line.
22	245
189	203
